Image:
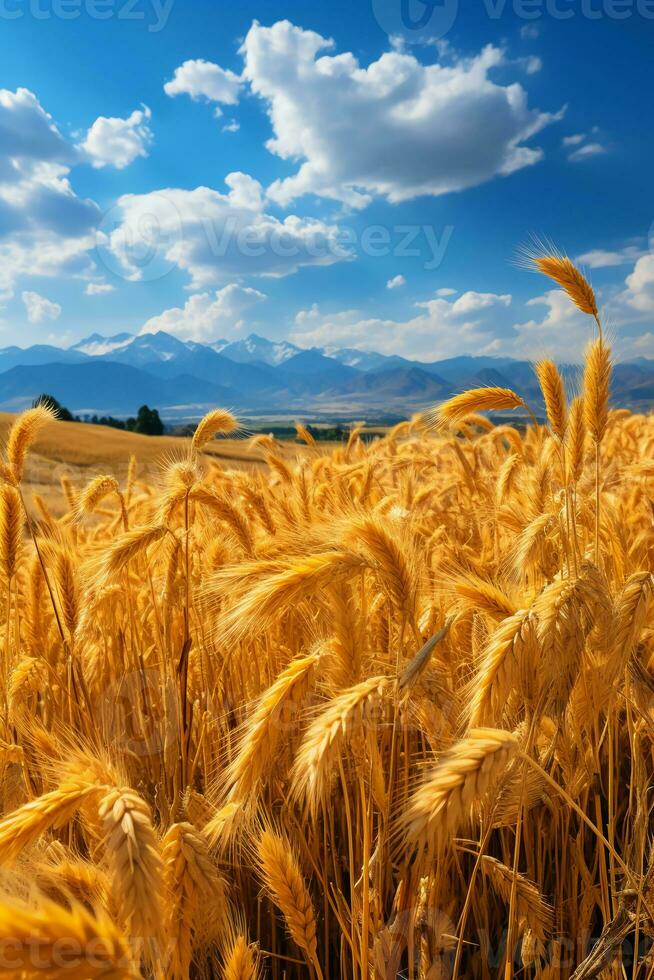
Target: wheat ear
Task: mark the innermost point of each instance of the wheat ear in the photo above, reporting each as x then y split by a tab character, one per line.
499	668
11	529
530	904
268	725
304	434
445	801
597	378
54	809
565	274
194	887
228	512
260	590
23	433
576	439
128	546
551	384
48	940
475	400
389	557
240	959
135	861
218	421
323	741
281	874
478	593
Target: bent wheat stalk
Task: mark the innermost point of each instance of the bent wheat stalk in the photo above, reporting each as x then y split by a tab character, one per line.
444	802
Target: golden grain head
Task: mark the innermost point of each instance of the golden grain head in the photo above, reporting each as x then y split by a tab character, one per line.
571	280
217	422
23	433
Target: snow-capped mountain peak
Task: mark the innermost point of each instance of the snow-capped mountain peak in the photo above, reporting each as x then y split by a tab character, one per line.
257	349
96	345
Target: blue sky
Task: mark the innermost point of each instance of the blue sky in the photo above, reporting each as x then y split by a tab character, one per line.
330	173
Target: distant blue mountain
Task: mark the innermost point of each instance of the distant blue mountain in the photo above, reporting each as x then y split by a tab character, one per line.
39	354
105	388
114	375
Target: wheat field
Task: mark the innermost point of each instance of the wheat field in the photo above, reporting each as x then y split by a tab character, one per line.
383	711
75	452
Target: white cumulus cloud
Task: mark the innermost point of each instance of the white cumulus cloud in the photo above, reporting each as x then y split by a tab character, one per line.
204	80
442	328
573	140
600	258
215	237
45	228
586	151
396	128
639	294
39	308
207	317
396	282
99	288
116	142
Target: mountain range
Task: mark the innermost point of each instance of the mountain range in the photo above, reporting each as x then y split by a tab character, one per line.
259	377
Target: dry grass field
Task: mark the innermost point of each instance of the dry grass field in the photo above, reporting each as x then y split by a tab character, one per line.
78	451
377	712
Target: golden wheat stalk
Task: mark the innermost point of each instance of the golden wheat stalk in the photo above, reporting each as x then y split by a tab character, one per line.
324	740
565	274
47	940
94	493
11	530
270	725
265	587
128	546
134	857
51	810
597	379
576	440
459	407
282	876
194	888
551	384
304	434
391	558
21	437
217	422
228	512
530	904
240	958
478	593
62	876
499	668
444	802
